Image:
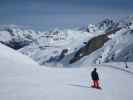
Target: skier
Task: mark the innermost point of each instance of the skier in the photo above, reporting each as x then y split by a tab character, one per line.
95	79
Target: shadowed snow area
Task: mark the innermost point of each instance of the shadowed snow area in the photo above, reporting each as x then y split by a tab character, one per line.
22	79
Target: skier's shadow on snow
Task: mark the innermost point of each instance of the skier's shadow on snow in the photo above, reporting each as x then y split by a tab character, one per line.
77	85
82	86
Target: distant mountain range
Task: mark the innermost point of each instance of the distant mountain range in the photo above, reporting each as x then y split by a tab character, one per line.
103	42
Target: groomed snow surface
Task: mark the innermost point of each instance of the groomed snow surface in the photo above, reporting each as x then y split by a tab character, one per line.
22	79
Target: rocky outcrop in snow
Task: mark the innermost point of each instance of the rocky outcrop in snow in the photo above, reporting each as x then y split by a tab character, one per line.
92	45
103	42
15	37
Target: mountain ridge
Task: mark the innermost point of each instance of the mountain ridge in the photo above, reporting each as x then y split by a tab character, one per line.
48	47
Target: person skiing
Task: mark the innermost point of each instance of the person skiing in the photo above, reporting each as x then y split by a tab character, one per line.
95	79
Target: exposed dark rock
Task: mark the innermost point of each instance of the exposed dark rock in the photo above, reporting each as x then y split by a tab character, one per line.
62	55
16	44
58	58
95	43
92	45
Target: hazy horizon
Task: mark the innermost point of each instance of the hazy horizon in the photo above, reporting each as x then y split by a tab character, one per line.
49	14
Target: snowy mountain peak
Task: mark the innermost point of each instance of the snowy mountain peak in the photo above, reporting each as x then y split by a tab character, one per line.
103	26
106	21
106	25
49	46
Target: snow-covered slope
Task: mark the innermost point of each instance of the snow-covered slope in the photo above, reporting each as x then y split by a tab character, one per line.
23	79
49	47
44	46
74	42
41	46
17	61
118	48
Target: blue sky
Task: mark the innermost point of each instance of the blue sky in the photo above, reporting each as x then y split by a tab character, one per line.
49	14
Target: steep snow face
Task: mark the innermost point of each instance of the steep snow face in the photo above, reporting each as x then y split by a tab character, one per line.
119	48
